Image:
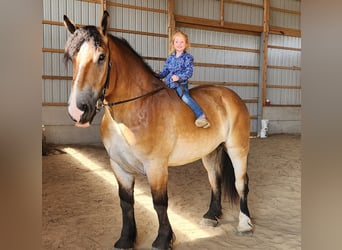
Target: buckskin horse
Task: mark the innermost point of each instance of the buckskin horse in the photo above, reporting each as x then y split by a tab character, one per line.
146	128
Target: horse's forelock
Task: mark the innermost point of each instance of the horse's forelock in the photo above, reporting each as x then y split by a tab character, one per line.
76	40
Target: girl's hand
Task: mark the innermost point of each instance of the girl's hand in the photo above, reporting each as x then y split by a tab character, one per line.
174	78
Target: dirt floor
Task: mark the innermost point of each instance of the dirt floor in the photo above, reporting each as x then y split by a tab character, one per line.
81	206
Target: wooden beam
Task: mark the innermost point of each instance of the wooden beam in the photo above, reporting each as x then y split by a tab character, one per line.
104	5
51	50
285	31
285	10
222	12
58	104
227	66
284	67
220	47
284	48
265	50
171	23
56	77
273	86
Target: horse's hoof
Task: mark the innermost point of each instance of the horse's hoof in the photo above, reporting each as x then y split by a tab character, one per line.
245	230
209	222
244	233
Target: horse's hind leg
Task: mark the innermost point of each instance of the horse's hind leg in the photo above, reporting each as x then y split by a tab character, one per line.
238	157
211	164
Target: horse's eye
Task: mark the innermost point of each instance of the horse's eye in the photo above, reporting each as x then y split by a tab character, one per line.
102	58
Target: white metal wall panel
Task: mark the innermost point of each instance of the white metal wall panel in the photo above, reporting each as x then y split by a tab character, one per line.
286	4
208	9
55	37
243	14
284	19
284	57
157	4
284	96
285	41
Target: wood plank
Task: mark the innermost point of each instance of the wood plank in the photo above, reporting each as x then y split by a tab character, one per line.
284	48
285	10
216	65
220	47
283	86
58	104
171	23
51	77
284	67
285	31
51	50
266	30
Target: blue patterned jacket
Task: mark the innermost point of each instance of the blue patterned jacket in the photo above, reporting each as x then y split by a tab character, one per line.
181	66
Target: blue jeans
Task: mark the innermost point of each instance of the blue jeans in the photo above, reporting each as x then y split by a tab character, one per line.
183	92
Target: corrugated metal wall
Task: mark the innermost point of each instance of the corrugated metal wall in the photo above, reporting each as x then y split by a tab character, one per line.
221	57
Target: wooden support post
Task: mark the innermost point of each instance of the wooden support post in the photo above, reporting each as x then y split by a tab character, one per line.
266	29
222	13
263	65
171	19
104	5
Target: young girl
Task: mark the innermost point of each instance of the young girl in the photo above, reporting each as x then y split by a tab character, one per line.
177	70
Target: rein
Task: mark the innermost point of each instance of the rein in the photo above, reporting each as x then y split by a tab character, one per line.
100	104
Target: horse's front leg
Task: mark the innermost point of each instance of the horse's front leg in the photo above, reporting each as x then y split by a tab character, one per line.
126	190
158	178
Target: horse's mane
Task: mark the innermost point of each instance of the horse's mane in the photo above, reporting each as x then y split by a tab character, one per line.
122	41
87	33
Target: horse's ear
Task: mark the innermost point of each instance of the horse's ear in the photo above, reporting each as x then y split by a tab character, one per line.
69	25
105	22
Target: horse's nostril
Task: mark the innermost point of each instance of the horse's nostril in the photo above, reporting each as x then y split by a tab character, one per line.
84	107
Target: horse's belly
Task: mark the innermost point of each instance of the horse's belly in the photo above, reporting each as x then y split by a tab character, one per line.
184	152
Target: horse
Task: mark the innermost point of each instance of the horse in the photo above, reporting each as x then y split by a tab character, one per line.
146	128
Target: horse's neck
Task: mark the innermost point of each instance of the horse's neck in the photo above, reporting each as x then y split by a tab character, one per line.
129	77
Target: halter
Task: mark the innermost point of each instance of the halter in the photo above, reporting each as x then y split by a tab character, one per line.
100	104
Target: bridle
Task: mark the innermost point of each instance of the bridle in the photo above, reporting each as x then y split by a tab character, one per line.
100	103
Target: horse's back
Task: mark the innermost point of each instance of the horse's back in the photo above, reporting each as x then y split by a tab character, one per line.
229	119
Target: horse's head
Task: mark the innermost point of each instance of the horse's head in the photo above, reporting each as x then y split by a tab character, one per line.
87	48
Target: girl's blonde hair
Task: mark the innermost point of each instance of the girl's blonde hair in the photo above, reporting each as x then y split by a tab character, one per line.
179	33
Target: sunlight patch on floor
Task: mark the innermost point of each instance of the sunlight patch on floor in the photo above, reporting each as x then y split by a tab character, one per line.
179	224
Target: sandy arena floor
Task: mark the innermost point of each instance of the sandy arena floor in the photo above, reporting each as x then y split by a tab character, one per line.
81	205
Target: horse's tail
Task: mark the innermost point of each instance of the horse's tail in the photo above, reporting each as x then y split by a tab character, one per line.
228	178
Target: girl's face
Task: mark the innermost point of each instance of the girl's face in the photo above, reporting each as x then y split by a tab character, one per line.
179	43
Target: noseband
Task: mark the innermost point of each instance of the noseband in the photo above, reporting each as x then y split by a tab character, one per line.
100	104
